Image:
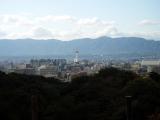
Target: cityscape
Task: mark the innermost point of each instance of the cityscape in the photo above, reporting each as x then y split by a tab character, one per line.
66	70
79	60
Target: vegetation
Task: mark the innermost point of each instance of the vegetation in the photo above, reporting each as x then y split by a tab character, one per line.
97	97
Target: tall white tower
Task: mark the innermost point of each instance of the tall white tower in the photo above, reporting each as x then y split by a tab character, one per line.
76	59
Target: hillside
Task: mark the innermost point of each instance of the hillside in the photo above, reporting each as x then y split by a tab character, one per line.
102	45
98	97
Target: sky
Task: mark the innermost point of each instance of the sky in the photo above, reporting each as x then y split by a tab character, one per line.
74	19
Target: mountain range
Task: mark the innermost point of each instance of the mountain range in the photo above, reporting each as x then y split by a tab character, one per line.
86	46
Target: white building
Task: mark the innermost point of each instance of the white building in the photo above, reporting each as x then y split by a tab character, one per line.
152	65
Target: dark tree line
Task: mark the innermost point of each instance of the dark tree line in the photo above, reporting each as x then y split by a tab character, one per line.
97	97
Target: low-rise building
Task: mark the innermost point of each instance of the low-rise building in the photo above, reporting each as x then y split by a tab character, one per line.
47	71
151	65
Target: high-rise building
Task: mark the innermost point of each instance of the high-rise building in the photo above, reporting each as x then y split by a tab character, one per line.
76	59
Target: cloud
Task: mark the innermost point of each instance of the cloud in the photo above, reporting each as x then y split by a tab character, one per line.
109	31
149	35
149	22
94	27
51	18
88	21
42	33
64	27
14	20
94	21
155	35
2	34
60	27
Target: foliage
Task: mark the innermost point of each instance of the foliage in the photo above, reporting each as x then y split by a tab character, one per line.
97	97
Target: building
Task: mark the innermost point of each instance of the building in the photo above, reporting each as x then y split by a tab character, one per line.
47	71
76	59
151	65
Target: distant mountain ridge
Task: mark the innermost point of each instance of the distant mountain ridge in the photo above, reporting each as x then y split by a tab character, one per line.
102	45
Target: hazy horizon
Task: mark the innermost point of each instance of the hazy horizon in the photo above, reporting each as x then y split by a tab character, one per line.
89	38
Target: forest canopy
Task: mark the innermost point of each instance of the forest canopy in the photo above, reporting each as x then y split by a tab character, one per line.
97	97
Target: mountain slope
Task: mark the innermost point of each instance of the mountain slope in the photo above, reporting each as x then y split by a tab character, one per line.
102	45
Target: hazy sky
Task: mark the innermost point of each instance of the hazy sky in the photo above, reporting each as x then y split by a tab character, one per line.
69	19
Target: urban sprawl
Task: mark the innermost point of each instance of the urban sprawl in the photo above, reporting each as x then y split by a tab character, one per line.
66	70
